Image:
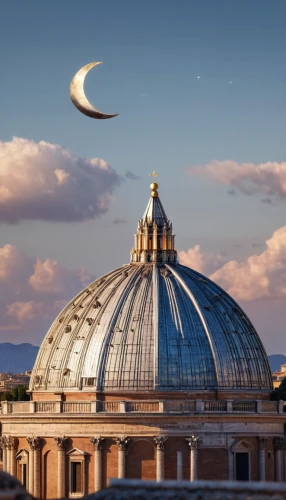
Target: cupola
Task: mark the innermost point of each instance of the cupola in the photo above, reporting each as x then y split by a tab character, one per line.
154	240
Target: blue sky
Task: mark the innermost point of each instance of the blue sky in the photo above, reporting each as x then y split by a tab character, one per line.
153	53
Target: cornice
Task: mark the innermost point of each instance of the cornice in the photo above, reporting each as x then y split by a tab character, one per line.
141	418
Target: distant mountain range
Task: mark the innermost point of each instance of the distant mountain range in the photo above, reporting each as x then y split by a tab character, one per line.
18	358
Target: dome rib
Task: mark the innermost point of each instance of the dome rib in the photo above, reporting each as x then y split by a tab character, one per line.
207	332
106	345
155	325
235	336
110	280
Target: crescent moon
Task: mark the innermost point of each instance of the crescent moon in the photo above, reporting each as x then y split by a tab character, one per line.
78	96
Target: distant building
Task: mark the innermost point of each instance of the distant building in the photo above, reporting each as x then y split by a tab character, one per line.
279	376
9	381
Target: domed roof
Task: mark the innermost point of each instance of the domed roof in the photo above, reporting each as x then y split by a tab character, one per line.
152	325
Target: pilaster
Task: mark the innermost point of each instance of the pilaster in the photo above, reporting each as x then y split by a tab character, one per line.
261	460
122	442
8	458
3	445
35	466
61	444
279	446
194	444
12	444
98	445
160	449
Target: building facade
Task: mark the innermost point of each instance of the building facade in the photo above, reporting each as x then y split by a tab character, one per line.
8	381
151	372
279	376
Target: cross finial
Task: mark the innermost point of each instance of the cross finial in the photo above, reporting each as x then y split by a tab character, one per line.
154	174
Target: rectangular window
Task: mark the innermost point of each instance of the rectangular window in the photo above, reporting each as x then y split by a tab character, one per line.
242	466
76	477
87	381
24	475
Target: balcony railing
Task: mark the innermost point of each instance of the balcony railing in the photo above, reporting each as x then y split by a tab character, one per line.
244	406
129	407
142	406
76	407
108	406
216	406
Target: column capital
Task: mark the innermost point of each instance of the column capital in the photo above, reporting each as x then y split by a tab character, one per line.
160	442
97	442
280	443
3	442
61	442
262	442
194	442
11	442
34	442
122	442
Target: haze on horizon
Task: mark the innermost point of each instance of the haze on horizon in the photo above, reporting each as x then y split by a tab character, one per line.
72	189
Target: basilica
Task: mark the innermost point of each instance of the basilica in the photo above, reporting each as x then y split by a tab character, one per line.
151	372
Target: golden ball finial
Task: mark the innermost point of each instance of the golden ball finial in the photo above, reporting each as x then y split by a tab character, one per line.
154	186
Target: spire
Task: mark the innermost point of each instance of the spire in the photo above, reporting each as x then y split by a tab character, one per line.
154	211
154	241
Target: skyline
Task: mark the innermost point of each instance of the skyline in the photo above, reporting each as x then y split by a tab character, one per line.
218	147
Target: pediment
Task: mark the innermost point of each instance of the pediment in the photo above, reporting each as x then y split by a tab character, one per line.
75	452
241	446
22	453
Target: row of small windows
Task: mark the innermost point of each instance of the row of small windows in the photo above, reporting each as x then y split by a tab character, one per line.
77	468
76	473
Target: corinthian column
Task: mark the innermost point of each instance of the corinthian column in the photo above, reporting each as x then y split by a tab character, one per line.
3	445
262	445
35	466
8	456
61	444
160	446
194	444
97	443
122	447
279	445
12	443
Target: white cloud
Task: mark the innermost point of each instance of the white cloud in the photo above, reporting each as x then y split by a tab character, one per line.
258	277
50	277
33	291
27	312
43	181
265	178
205	263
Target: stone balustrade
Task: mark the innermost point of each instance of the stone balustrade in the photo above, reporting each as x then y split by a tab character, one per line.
129	489
166	406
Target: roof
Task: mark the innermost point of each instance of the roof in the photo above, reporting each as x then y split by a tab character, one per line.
155	213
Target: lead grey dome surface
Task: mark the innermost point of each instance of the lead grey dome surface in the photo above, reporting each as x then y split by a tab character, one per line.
152	327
